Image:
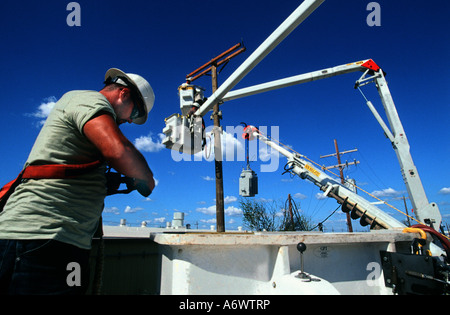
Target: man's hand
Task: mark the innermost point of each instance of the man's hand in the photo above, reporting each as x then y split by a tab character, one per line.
142	187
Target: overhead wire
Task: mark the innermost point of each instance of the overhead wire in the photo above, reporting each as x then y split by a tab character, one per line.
320	223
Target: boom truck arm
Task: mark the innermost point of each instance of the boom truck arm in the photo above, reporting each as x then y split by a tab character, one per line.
350	201
426	212
191	137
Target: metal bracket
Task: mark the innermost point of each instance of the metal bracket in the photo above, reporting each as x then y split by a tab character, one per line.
411	274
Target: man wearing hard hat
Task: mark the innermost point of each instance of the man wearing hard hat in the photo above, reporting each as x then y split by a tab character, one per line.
52	210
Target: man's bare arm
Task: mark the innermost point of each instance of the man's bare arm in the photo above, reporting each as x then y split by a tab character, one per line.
117	150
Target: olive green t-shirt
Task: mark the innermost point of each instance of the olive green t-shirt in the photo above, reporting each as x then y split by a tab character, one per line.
67	210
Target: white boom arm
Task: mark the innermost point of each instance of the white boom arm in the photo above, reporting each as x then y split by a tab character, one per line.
298	79
290	24
351	202
179	130
426	212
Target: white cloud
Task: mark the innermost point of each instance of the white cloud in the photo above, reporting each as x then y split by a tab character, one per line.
445	191
44	109
207	178
233	211
207	210
128	209
300	196
160	220
113	210
229	199
321	196
147	144
211	210
386	193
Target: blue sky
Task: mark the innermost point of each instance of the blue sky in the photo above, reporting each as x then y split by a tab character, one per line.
42	58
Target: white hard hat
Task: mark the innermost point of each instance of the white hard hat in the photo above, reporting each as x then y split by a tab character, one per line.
138	85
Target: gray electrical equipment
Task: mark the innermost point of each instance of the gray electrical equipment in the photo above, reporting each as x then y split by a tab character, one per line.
248	183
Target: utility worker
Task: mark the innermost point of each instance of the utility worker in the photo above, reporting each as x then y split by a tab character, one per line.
48	221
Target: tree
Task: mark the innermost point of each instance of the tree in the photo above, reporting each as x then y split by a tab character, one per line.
293	220
270	216
256	216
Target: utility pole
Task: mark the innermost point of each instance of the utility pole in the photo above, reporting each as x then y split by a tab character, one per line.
341	172
211	66
217	115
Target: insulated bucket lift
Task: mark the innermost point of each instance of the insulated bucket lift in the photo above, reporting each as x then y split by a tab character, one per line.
185	132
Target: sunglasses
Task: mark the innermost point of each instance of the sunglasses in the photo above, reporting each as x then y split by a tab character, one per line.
137	100
136	112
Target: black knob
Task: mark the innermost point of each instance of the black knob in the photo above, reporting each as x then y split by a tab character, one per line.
301	247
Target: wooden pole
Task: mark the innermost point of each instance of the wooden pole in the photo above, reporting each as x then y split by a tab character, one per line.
220	211
338	154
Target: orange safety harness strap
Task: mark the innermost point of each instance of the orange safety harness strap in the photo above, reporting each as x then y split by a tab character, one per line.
52	171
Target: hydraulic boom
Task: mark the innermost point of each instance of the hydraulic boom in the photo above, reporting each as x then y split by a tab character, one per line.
350	201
